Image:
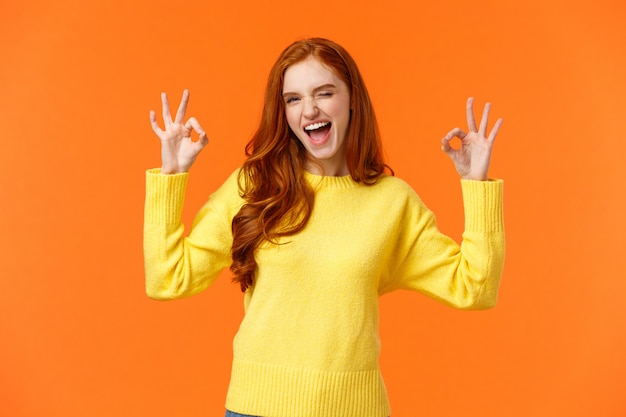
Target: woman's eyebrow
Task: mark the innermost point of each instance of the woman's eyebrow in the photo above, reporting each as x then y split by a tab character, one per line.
324	87
316	89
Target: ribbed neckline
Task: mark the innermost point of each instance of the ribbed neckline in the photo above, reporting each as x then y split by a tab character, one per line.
330	182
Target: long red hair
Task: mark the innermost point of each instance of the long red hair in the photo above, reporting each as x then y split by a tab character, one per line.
278	199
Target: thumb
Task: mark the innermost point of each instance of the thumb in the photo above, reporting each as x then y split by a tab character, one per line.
445	146
202	141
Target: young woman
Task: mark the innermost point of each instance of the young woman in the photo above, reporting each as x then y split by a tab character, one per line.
315	228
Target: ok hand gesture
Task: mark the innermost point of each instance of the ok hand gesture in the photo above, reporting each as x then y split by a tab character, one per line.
178	151
472	159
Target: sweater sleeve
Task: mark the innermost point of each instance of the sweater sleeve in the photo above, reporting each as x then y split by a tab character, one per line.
466	276
175	265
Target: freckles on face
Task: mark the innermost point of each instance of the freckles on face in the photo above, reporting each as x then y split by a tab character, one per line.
317	107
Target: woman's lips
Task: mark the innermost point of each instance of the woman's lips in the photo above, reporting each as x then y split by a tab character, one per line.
318	132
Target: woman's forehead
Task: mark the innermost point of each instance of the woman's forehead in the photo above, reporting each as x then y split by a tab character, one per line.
308	75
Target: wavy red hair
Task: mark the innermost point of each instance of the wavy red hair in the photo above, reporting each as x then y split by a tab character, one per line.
278	199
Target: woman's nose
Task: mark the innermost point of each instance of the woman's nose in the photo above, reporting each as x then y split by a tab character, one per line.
310	108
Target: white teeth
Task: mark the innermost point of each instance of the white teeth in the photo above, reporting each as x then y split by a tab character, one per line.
315	126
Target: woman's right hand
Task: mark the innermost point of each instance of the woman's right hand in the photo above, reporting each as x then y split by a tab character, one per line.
178	151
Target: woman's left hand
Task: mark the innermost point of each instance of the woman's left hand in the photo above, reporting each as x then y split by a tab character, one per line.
472	159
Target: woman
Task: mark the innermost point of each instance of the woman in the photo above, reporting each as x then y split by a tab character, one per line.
314	230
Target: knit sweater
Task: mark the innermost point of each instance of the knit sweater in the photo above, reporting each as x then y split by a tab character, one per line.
308	344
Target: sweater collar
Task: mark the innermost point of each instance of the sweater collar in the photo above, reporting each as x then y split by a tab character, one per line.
329	182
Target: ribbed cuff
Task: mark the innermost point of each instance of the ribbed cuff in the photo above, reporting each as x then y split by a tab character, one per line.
165	195
482	201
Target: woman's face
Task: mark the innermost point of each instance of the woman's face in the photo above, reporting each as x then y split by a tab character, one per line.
317	106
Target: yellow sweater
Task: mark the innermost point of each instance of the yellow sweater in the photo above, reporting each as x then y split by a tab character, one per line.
308	345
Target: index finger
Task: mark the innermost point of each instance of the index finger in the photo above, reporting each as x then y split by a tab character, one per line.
182	108
469	110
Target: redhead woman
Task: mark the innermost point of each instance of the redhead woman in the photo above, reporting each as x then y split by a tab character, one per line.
315	227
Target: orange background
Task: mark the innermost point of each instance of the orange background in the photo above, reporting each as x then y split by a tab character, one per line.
78	337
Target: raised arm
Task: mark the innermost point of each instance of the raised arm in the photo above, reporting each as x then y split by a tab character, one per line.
465	276
177	265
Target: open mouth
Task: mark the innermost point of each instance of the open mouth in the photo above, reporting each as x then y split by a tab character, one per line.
318	131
